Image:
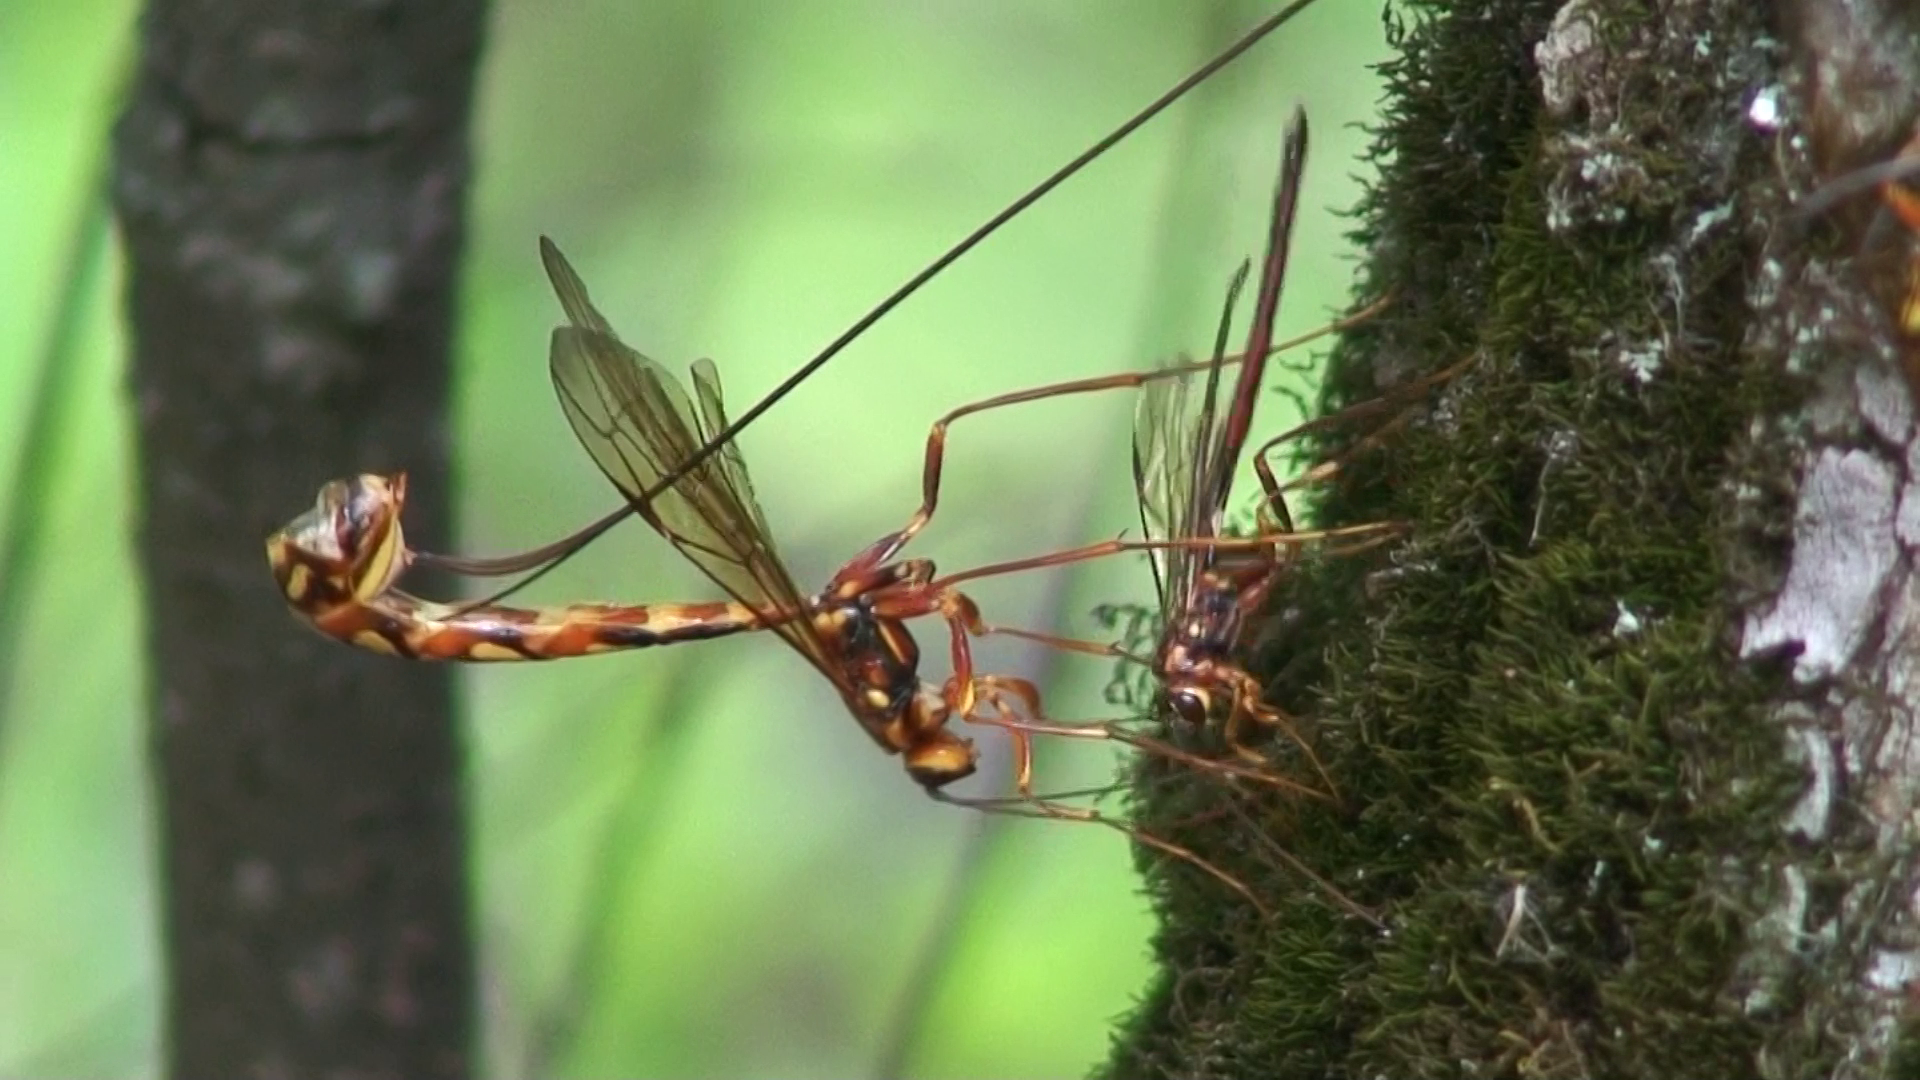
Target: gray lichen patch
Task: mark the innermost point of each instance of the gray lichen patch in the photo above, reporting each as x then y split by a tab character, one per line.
1885	402
1810	817
1881	730
1906	523
1843	552
1569	57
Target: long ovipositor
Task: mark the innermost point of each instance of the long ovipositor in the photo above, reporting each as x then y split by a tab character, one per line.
338	562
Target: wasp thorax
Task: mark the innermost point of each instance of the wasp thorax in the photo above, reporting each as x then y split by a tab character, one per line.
349	545
370	533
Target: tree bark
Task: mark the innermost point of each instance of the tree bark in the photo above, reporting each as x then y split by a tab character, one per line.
290	181
1625	730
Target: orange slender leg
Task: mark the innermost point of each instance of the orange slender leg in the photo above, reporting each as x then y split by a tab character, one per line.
1057	811
1015	708
963	615
1018	710
1220	543
1293	862
889	545
1035	724
1248	706
964	621
1007	697
1274	488
1027	805
1066	644
996	689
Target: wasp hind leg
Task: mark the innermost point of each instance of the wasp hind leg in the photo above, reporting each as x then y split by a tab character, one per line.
1032	806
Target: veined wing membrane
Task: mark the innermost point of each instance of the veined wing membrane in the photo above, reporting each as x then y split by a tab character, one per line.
1175	437
713	418
571	290
638	423
1165	432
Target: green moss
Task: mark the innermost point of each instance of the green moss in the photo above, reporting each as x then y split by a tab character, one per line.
1557	808
1905	1061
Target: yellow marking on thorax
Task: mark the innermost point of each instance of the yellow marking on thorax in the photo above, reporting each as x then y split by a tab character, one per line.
663	620
380	568
373	642
487	650
1910	304
299	582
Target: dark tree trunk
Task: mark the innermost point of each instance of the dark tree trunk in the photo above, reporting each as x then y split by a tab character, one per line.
1625	730
290	180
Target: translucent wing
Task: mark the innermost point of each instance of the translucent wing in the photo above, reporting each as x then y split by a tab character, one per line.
639	424
1166	442
1224	450
1185	445
1176	431
571	290
713	418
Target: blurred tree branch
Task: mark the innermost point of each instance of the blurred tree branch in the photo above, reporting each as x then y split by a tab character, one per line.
290	180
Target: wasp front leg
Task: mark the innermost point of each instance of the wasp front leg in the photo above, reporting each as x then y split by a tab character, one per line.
1248	705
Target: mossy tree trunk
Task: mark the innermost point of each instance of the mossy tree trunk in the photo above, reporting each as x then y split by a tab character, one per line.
1624	731
290	179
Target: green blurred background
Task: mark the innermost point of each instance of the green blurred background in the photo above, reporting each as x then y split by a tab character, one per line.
689	862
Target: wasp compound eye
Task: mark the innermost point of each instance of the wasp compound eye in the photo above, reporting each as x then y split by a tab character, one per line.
1190	705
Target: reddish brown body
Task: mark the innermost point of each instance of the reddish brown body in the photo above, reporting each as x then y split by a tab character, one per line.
338	566
1196	656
